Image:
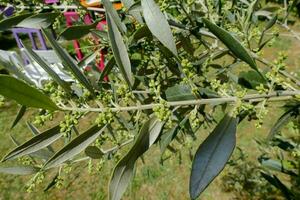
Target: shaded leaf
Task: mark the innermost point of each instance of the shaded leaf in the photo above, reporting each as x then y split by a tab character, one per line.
158	24
76	32
278	184
231	42
284	119
19	116
168	137
93	152
74	147
131	6
87	60
68	62
108	67
103	35
20	170
250	79
36	143
24	94
38	21
119	50
179	93
10	22
43	154
139	34
270	23
212	155
123	171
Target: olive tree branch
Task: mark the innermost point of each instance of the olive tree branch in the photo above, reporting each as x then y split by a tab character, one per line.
251	97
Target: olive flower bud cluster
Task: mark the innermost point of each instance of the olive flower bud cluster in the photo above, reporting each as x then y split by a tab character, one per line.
125	94
105	117
163	112
1	101
195	118
69	122
42	117
36	180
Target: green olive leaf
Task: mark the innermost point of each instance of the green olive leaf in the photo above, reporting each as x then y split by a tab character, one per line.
76	146
119	50
40	20
35	144
124	170
231	42
158	25
24	94
212	155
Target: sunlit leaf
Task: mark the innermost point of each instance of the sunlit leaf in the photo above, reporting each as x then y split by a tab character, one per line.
114	15
119	50
68	62
158	24
40	20
74	147
231	42
24	94
46	66
123	171
19	170
36	143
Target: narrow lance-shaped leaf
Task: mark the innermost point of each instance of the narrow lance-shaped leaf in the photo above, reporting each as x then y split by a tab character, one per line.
19	116
283	120
36	143
19	170
231	42
123	171
42	153
212	155
48	69
35	132
119	50
158	25
87	60
76	32
68	62
179	93
114	15
24	94
9	22
100	34
74	147
135	13
40	20
13	69
279	185
108	67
